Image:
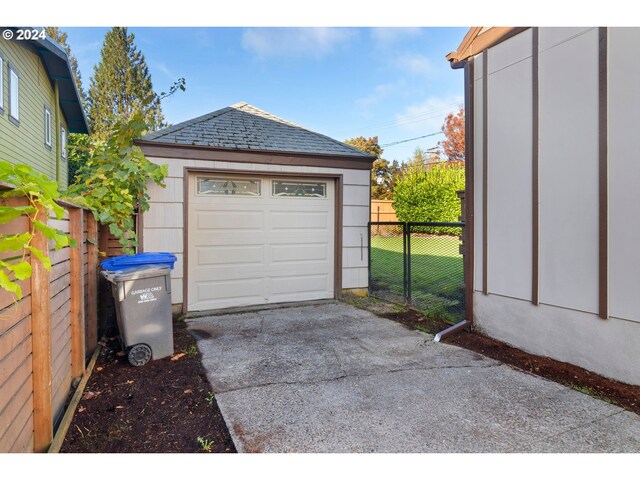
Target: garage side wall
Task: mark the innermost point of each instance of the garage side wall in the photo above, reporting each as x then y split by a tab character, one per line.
163	229
556	175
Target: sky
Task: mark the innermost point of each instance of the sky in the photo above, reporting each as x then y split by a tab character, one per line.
343	82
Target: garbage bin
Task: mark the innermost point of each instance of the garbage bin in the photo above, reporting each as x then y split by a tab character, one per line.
141	289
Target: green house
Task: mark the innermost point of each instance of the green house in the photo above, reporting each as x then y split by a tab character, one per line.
39	105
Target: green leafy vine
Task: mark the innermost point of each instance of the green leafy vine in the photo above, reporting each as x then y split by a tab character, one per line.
41	194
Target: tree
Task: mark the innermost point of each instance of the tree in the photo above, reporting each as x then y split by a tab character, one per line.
382	173
120	81
429	195
60	37
453	144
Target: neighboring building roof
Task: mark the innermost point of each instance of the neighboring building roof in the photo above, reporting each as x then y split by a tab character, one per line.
479	38
245	127
56	63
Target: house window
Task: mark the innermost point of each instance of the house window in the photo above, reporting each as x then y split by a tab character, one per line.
63	142
299	189
14	95
47	127
228	186
1	83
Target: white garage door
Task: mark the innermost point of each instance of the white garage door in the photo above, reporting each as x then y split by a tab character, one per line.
255	241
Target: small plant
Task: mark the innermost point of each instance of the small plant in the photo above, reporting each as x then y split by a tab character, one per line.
210	398
422	328
206	445
191	351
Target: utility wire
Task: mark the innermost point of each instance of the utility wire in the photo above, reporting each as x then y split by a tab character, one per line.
411	139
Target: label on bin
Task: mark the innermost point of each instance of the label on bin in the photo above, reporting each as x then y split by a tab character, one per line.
146	294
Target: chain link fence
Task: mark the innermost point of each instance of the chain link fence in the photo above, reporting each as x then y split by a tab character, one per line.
419	264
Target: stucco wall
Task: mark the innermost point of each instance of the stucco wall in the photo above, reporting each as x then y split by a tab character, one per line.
164	222
565	325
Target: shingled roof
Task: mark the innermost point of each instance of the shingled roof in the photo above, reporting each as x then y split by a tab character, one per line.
245	127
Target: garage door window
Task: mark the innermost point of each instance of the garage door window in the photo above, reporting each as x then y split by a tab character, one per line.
228	186
299	189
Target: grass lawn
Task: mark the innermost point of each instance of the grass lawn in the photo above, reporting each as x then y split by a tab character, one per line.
437	285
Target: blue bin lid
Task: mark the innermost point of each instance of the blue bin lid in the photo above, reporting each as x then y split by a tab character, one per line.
138	260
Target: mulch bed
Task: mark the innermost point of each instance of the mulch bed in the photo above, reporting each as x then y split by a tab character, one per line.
164	406
621	394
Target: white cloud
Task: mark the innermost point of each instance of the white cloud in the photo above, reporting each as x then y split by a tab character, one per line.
385	36
378	94
414	63
428	116
273	42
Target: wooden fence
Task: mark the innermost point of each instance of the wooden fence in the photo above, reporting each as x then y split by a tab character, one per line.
47	337
382	211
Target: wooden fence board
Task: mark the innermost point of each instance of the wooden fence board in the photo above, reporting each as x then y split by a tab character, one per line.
14	336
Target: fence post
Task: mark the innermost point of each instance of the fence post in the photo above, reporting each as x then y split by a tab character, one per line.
369	257
41	342
92	282
408	261
77	294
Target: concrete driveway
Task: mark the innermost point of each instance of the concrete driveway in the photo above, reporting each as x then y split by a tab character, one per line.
333	378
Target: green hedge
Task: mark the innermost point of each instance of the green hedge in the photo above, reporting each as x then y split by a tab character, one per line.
429	195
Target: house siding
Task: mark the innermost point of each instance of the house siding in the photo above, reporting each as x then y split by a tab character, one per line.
25	143
163	223
567	323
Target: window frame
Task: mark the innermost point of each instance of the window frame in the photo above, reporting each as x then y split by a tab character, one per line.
1	83
14	103
63	142
257	181
48	137
300	182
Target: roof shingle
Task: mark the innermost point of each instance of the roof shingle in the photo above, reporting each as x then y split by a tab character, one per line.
245	127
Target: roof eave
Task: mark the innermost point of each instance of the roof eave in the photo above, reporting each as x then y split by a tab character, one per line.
50	52
365	158
476	41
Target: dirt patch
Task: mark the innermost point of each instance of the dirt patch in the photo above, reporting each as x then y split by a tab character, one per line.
164	406
621	394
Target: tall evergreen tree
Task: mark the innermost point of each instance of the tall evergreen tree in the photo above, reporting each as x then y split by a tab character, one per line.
60	37
120	82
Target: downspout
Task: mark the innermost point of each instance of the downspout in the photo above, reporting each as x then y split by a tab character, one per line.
468	213
57	130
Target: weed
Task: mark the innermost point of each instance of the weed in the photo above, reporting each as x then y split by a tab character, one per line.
398	308
205	444
191	351
422	328
210	398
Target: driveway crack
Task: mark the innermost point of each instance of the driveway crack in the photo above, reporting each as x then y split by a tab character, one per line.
344	374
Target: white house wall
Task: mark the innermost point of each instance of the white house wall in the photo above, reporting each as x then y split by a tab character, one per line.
164	222
624	174
569	171
509	168
565	324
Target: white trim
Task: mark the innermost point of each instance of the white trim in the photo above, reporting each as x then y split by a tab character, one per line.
47	126
14	98
1	83
63	142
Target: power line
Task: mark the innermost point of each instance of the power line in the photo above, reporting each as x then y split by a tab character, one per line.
411	139
409	118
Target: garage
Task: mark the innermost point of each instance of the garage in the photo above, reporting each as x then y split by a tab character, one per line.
258	210
259	240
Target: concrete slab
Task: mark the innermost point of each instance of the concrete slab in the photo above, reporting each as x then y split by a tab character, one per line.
333	378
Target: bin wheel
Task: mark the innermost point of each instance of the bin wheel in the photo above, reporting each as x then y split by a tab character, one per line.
139	354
